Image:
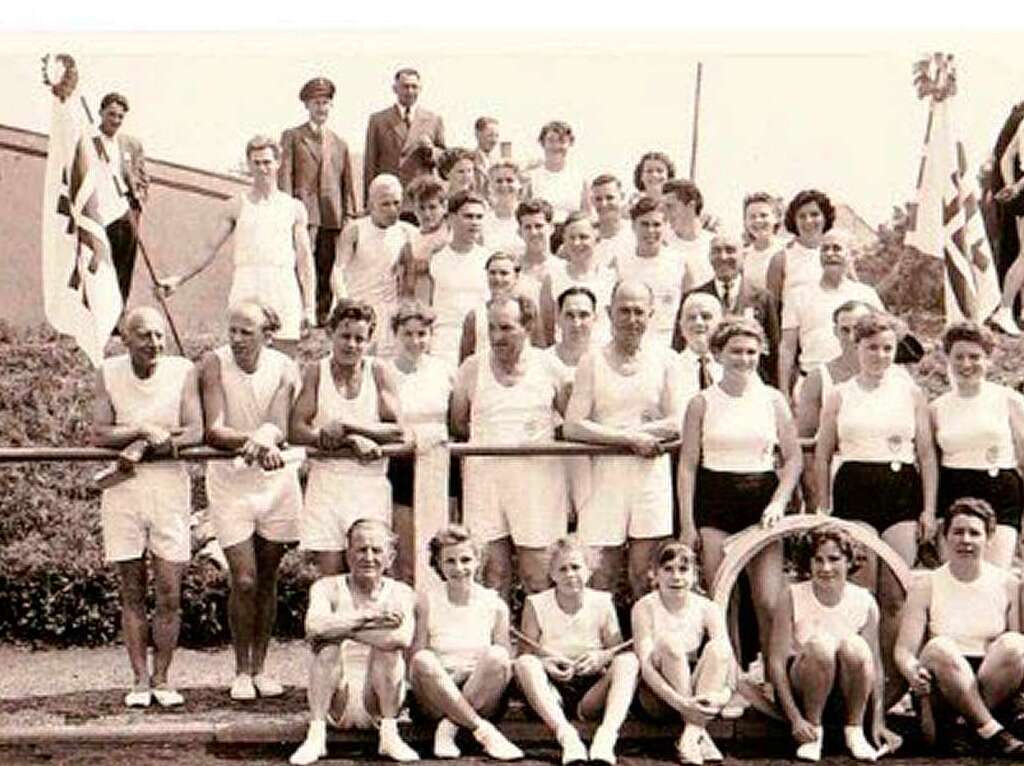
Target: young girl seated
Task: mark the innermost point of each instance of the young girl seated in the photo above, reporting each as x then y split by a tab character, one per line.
670	625
461	655
568	657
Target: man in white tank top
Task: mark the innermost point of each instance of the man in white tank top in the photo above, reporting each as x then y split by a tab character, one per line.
148	404
363	614
960	637
271	248
626	394
349	400
512	394
369	256
247	391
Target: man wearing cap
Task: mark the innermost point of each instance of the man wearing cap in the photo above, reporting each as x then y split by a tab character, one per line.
316	168
121	206
405	139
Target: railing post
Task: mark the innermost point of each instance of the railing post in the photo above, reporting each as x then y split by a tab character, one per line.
431	466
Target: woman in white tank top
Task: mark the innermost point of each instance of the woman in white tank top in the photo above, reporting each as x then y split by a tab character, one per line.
461	651
824	641
978	427
761	226
809	215
960	635
727	473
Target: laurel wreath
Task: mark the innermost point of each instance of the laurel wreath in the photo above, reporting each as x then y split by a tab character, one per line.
68	80
935	76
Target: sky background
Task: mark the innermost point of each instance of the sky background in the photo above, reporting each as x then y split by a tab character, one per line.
780	110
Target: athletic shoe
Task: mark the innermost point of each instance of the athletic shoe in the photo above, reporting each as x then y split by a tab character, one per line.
573	749
811	751
242	688
1002	744
496	744
394	747
602	747
688	746
858	744
708	749
167	696
138	698
1003	320
444	740
313	748
267	686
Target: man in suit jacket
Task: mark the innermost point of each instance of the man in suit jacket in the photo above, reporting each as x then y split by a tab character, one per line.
316	168
121	204
404	140
739	298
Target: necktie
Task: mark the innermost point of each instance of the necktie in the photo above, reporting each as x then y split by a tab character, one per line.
406	118
727	297
704	372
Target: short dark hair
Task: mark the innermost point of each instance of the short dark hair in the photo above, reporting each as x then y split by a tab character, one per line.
534	206
669	551
407	70
874	323
734	326
572	290
806	197
451	157
638	171
483	122
642	207
114	98
503	255
850	306
366	521
556	126
453	534
260	142
606	178
575	217
809	543
466	197
685	191
427	188
357	311
527	308
412	309
969	332
970	506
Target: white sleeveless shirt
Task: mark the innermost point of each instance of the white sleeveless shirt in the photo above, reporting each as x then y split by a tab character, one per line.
688	624
263	233
371	274
460	283
600	281
664	275
802	267
332	404
972	613
877	426
812	618
574	634
739	433
974	432
460	633
523	412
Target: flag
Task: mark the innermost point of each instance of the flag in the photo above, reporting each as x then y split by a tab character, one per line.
80	293
945	221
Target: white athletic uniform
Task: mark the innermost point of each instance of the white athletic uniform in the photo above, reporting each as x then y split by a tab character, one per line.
973	614
974	432
250	500
460	283
801	266
664	275
631	496
756	262
739	433
265	259
342	490
498	503
877	426
809	309
563	189
577	467
695	254
572	635
151	509
502	234
424	395
371	274
531	278
460	634
811	618
610	249
599	281
688	625
392	596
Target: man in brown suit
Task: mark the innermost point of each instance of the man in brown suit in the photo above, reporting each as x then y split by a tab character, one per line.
123	206
404	139
316	168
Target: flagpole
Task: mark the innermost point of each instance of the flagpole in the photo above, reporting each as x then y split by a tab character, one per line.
696	123
137	225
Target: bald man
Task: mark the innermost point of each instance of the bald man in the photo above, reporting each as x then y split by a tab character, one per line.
147	404
369	254
626	394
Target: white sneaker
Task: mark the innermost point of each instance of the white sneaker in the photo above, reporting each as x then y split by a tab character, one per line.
496	744
138	698
267	686
573	749
313	748
811	751
708	749
688	746
392	745
167	696
858	744
242	688
444	740
602	747
1003	319
735	707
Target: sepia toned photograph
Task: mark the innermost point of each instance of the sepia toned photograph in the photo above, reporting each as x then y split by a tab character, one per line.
466	391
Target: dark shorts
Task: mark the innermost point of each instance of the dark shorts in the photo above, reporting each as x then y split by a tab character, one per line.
1004	491
401	474
875	494
571	693
731	501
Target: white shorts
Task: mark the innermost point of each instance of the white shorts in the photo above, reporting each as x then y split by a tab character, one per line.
335	499
526	499
355	680
630	498
149	511
246	501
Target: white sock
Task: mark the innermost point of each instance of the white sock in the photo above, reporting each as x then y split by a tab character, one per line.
388	726
990	729
317	729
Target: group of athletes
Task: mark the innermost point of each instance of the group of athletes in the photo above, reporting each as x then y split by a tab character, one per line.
495	319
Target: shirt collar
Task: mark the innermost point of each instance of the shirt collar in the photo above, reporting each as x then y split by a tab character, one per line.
401	111
734	286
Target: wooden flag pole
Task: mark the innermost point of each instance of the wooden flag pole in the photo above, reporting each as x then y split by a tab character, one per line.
696	123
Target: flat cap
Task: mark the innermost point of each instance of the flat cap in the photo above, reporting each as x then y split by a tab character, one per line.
315	88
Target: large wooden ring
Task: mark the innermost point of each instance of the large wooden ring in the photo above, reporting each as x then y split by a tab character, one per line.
742	547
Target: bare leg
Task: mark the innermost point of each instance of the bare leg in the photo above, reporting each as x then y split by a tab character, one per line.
610	564
134	625
533	680
1002	546
615	698
711	541
902	538
268	559
386	690
166	616
814	674
956	680
640	552
1014	279
242	602
497	570
401	522
325	673
1002	672
856	677
765	573
533	568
